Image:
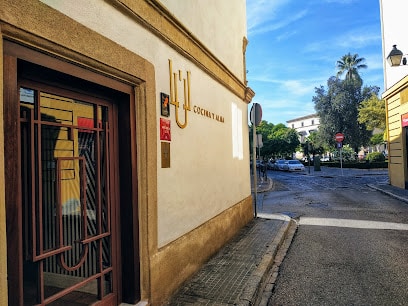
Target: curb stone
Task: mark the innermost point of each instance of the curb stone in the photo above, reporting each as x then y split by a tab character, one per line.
257	281
263	187
273	273
391	194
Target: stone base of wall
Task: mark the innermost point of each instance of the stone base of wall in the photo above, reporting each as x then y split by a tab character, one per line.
396	175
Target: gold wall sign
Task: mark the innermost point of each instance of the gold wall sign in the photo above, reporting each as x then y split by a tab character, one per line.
206	113
176	78
174	97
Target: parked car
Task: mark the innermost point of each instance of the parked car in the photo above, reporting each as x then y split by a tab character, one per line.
270	165
281	165
295	165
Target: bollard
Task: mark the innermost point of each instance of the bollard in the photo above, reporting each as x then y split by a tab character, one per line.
316	163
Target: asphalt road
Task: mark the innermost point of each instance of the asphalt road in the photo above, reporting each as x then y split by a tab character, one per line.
351	246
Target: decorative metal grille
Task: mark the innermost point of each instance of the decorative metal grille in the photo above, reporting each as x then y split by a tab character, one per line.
67	211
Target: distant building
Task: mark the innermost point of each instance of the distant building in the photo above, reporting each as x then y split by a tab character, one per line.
396	90
304	125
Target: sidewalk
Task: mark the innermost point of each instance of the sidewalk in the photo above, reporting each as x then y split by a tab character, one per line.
263	184
395	192
238	273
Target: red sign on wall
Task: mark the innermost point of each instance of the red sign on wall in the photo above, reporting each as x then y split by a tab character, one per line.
404	120
165	131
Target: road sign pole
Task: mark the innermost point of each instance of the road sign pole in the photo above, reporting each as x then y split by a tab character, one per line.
256	117
254	139
339	137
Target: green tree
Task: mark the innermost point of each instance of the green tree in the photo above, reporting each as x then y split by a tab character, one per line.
350	65
283	141
371	112
337	107
278	140
377	139
316	142
278	128
264	128
291	141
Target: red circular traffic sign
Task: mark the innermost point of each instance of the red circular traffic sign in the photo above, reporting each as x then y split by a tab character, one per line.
339	137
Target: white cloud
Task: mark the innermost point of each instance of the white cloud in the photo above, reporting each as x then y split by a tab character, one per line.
259	11
286	35
280	106
355	39
341	1
273	26
374	61
297	87
264	16
358	39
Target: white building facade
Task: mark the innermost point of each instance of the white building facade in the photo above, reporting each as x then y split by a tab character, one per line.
396	90
304	125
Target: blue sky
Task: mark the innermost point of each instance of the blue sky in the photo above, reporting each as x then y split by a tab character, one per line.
294	46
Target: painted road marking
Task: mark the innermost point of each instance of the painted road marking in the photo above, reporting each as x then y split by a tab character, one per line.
366	224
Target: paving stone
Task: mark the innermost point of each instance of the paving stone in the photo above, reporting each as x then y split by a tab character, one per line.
223	279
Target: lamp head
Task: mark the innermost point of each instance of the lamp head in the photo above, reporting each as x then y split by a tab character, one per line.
394	58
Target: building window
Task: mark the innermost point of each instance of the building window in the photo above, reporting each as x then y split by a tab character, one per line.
303	124
293	125
312	122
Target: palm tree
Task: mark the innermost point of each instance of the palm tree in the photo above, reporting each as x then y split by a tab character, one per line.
350	64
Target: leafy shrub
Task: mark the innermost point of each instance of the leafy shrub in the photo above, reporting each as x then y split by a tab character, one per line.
348	154
375	157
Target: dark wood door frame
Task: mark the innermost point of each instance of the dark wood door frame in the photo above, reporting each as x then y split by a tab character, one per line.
128	249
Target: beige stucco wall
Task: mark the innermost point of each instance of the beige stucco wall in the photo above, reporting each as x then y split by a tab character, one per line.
204	178
396	105
207	189
207	19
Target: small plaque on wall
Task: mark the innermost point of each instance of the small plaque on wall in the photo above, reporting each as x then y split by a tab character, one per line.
165	131
165	155
164	104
